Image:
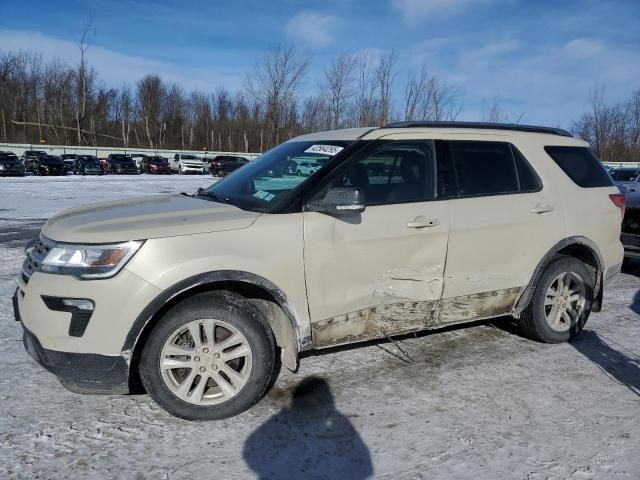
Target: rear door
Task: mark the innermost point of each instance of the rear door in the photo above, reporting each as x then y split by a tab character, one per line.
379	272
502	225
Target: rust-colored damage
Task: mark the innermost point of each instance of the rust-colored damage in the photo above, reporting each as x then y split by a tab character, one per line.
410	316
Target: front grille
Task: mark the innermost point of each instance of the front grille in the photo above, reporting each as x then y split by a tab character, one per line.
35	256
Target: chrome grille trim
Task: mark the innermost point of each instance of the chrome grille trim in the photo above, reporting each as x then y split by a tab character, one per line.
35	255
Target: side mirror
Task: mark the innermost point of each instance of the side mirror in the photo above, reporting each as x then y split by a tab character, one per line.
339	201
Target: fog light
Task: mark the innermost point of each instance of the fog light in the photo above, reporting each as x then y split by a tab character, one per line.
80	309
78	303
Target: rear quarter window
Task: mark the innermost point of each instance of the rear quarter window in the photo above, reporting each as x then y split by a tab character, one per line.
580	165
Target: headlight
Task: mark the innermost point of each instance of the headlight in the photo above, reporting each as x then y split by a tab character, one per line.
89	261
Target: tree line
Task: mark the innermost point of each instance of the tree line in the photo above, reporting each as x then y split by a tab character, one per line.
56	103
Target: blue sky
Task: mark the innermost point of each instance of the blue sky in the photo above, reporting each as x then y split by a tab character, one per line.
536	58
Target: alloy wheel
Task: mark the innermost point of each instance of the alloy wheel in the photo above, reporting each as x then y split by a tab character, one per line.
206	362
564	302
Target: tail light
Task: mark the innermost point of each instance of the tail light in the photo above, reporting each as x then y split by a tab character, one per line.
620	201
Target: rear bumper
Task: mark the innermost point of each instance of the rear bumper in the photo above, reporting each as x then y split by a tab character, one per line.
79	372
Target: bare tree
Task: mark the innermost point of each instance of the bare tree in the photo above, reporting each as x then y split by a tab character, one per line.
384	79
274	83
150	93
338	85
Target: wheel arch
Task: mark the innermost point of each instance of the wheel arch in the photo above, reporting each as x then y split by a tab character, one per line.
578	247
278	310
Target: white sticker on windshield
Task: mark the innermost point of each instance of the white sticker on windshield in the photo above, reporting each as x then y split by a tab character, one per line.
324	149
260	194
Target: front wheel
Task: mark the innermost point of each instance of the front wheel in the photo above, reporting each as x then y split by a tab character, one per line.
212	356
561	302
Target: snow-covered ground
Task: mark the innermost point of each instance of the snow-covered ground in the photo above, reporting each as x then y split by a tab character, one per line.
473	402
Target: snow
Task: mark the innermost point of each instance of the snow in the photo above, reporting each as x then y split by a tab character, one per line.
477	402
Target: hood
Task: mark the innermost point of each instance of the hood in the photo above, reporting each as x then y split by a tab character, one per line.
145	218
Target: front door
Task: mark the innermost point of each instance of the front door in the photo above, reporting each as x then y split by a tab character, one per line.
379	272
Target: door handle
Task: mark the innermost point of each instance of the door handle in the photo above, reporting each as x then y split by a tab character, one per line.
423	222
542	208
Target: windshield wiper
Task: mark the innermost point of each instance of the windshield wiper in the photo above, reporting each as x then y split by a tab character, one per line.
207	194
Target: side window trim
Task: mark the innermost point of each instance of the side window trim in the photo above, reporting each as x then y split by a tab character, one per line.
515	150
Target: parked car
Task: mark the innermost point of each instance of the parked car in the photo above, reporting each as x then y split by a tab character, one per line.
466	221
155	164
119	163
45	165
137	157
187	163
628	177
630	236
10	165
306	166
87	165
69	160
32	154
223	165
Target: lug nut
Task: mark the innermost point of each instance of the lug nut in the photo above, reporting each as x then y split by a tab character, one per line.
216	355
202	369
196	359
205	350
215	367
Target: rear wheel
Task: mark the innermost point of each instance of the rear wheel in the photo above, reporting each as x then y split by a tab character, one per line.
561	302
211	356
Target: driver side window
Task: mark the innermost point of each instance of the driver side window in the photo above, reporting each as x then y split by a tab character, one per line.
394	172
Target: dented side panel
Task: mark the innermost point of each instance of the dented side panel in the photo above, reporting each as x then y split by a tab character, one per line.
406	317
373	262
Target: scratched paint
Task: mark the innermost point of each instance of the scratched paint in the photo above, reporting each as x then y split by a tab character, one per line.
402	317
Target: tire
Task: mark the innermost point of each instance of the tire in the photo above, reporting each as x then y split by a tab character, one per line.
537	320
256	370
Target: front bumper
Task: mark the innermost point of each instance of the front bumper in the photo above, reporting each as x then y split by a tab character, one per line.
86	373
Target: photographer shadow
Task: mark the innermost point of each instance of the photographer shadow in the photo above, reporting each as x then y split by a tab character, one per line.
621	365
308	440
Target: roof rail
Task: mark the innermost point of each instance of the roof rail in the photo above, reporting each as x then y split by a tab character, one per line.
481	125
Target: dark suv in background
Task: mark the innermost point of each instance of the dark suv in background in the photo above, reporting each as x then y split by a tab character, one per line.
10	165
32	155
87	165
121	163
69	160
45	165
225	164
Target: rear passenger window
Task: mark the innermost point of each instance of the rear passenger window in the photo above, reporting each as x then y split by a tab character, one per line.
581	166
484	168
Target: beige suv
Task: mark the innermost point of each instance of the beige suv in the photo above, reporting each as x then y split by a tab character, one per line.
418	225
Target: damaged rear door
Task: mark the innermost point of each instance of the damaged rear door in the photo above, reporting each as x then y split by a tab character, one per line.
379	272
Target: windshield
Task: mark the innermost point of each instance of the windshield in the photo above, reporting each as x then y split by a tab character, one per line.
190	157
8	158
275	174
625	175
158	160
121	159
